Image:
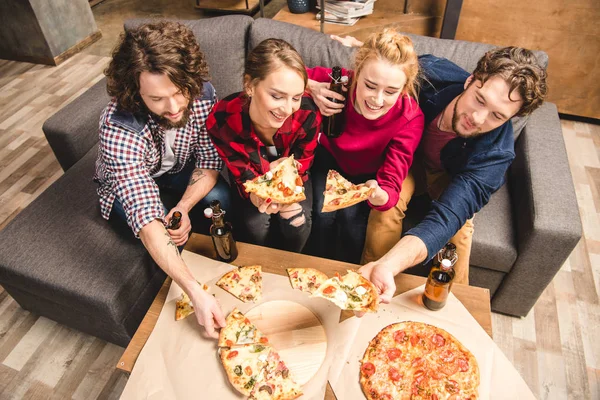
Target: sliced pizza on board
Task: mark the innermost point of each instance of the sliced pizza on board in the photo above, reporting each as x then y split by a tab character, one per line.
350	292
341	193
282	185
306	279
239	330
245	283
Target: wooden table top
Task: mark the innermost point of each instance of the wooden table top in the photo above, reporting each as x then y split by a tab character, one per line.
476	300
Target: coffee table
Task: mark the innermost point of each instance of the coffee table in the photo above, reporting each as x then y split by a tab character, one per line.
476	300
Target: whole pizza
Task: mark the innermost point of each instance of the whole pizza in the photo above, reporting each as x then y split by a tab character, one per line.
413	360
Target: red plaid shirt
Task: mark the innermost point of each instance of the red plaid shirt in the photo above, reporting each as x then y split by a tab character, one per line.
233	134
128	157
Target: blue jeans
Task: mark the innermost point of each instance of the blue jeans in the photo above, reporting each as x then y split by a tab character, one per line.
175	185
340	234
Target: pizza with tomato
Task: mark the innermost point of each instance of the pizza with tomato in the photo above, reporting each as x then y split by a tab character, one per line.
245	283
306	279
253	367
341	193
414	360
282	185
349	292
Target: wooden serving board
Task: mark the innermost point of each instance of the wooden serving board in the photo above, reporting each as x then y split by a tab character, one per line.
295	332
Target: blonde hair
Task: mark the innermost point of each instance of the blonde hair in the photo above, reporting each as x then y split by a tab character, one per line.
395	48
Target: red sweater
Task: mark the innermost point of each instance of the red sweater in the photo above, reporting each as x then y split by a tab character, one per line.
384	146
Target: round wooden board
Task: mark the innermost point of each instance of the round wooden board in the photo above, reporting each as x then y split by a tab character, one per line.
295	332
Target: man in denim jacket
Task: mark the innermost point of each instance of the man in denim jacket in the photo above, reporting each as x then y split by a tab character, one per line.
467	147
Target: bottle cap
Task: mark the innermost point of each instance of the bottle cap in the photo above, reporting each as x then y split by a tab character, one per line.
208	212
446	264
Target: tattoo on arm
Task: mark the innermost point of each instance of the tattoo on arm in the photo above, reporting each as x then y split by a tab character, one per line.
197	174
170	242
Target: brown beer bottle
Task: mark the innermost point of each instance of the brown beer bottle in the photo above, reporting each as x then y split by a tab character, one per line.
439	282
175	222
333	126
221	233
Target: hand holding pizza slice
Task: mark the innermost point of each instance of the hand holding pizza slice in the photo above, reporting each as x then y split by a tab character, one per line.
341	193
282	185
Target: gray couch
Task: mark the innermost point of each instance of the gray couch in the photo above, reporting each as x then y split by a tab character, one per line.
60	259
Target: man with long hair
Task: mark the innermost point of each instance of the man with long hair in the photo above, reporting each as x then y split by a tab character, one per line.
153	139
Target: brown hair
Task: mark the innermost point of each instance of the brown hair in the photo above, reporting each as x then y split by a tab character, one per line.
269	55
165	47
520	69
395	48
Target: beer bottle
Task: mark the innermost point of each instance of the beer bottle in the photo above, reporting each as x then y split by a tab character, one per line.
175	222
221	233
439	282
333	126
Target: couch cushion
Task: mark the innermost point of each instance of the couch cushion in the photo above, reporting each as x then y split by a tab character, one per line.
316	48
71	138
494	244
223	42
59	248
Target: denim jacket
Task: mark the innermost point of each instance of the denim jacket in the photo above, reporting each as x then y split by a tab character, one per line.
477	166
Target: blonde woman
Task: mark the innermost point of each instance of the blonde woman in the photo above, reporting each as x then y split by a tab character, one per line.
383	127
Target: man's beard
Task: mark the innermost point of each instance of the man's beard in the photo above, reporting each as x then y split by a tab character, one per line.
166	123
456	119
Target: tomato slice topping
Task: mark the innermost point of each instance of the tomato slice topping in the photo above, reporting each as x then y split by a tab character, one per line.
438	340
399	336
394	374
329	290
232	354
228	343
294	275
264	339
417	362
449	368
414	339
463	364
335	202
452	386
447	355
288	192
298	181
367	369
393	354
280	186
434	397
248	370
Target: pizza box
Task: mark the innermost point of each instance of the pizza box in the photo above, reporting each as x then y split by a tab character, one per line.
498	378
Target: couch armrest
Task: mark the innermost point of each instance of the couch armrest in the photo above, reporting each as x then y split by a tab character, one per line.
73	130
548	225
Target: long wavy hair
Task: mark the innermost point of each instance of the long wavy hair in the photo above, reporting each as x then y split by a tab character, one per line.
163	47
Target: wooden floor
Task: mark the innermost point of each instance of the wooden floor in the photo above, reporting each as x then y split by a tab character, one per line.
555	348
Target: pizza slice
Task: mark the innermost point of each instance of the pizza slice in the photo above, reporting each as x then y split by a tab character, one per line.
350	292
276	381
282	185
239	330
306	279
341	193
244	365
245	283
184	306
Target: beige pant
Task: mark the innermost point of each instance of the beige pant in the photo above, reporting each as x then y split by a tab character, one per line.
385	228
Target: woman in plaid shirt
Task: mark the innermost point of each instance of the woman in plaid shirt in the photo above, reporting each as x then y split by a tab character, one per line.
254	129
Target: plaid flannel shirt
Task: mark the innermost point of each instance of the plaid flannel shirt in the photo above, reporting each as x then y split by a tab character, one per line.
130	152
233	134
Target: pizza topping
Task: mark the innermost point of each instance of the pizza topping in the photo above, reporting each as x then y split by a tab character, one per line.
400	336
360	290
299	189
452	386
248	370
250	383
268	175
341	191
232	354
438	340
367	369
447	355
335	202
263	339
266	388
394	374
228	343
258	348
449	368
463	365
393	354
329	290
417	362
414	339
